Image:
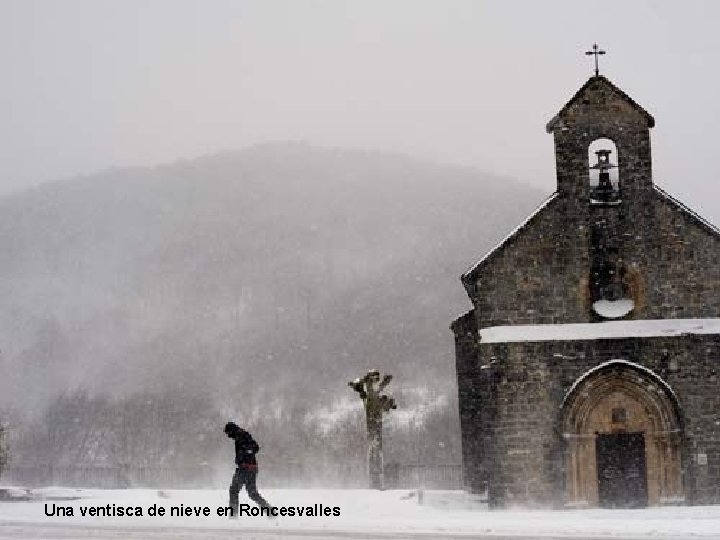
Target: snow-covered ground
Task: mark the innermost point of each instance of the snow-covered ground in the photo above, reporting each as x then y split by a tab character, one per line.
443	513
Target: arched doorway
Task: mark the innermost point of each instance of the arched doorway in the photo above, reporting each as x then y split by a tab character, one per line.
623	433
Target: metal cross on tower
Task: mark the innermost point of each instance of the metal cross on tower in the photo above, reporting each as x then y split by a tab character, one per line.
597	52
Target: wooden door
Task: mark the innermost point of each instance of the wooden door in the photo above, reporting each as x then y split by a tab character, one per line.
621	470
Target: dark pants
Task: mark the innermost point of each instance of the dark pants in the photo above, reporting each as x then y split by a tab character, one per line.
245	477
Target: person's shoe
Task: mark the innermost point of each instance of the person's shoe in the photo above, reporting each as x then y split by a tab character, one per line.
233	513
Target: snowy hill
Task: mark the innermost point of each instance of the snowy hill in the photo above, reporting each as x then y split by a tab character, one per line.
260	280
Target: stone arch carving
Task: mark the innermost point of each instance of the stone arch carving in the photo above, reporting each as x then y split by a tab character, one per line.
622	397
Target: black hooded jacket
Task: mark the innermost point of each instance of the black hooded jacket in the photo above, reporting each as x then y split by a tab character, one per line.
245	448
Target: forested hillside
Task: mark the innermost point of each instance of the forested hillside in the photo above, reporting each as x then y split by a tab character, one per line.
255	282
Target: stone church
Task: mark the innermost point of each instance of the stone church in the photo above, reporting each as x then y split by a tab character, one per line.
588	367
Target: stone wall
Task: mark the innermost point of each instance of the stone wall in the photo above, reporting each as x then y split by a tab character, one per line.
523	451
541	275
475	400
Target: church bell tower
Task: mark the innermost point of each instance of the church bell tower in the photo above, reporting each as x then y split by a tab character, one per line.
604	176
603	116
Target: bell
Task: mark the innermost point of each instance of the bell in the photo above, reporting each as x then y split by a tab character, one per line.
603	161
604	191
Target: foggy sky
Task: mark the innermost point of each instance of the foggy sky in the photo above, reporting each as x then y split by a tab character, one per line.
91	84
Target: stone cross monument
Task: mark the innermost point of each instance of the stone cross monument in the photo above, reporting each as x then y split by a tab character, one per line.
375	405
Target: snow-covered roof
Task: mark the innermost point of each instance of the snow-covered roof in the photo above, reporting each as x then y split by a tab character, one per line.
601	330
687	210
470	271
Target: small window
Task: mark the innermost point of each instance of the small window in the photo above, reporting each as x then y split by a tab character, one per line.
604	172
619	416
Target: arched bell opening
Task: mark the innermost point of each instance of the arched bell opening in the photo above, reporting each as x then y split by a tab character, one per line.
623	432
604	172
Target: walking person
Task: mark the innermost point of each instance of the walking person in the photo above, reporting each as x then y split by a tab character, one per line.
247	469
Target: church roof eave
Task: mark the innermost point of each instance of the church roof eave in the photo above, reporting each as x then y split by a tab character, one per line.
552	124
468	276
697	218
